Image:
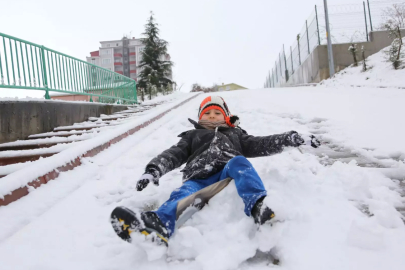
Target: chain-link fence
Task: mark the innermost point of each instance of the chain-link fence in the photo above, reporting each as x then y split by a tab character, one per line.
348	23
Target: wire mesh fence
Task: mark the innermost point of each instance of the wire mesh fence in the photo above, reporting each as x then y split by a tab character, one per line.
348	23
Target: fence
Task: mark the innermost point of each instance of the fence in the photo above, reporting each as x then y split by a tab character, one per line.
348	23
26	65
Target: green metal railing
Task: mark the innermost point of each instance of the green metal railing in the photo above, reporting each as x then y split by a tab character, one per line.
26	65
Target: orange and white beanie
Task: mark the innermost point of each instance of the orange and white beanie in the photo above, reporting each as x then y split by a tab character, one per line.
218	103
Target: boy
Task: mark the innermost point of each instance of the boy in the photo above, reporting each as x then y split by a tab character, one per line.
215	150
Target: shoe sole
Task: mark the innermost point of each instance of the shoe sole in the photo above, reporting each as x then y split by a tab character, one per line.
124	222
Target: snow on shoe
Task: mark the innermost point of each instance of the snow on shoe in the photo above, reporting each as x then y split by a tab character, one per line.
125	222
261	213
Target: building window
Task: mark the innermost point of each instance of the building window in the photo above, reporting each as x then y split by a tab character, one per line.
105	51
228	88
221	88
107	61
108	45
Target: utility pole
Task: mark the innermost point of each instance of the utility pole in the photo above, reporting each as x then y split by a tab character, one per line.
330	50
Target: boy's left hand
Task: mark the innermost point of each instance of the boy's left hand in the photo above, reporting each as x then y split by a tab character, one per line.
294	139
311	140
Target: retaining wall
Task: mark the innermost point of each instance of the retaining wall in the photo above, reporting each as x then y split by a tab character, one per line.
316	67
19	119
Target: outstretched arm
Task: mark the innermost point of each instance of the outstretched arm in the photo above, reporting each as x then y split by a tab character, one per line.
259	146
165	162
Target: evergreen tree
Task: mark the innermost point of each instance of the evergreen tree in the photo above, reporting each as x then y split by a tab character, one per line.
155	69
394	53
395	20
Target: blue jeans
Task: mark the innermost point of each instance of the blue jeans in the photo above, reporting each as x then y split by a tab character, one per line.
248	184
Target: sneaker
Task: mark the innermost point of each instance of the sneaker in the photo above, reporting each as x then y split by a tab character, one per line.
125	222
261	213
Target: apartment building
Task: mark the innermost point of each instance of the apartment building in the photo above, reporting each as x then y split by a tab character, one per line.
121	56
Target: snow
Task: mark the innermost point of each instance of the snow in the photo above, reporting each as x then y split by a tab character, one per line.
343	215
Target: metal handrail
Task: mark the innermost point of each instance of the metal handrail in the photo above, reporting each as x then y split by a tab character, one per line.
26	65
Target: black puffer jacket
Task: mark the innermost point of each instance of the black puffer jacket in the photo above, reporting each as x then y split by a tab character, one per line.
207	151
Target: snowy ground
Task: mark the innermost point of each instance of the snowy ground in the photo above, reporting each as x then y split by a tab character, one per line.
340	216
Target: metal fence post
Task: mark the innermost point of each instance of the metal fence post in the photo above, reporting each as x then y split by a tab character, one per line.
306	24
276	71
44	77
281	68
292	62
271	79
1	72
365	19
285	63
5	56
369	15
299	49
330	49
317	25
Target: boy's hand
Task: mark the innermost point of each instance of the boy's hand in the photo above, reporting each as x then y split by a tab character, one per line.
293	139
151	174
313	141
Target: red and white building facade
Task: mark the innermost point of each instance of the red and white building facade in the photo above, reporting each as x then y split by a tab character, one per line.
121	56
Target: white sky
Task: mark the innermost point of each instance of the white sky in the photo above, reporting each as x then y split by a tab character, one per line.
210	41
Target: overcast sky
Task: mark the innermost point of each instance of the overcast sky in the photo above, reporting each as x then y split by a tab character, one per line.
210	41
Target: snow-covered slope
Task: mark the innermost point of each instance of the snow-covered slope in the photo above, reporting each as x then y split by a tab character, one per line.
380	73
334	211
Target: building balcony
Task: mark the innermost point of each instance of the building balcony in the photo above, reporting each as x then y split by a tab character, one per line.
117	54
117	63
132	62
132	71
120	72
132	53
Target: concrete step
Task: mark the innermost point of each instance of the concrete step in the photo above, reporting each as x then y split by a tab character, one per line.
59	134
26	147
23	158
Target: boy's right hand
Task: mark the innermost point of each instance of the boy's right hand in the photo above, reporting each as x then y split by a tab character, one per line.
151	174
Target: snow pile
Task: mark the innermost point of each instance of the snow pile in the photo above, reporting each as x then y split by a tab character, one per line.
328	217
380	73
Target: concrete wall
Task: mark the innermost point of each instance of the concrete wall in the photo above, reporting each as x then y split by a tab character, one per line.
19	119
316	67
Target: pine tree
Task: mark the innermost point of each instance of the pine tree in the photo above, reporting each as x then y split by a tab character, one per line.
395	20
155	69
394	53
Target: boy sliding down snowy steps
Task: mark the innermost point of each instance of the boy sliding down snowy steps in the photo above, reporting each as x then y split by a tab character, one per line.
215	152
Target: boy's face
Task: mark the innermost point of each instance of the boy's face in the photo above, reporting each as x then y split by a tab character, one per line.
213	116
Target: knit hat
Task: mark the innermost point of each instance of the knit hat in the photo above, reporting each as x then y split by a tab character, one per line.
218	103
